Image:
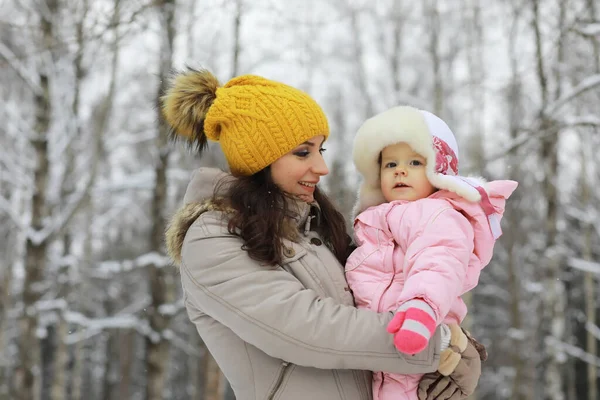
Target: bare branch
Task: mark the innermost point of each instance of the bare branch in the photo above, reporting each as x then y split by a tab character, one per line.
587	84
19	68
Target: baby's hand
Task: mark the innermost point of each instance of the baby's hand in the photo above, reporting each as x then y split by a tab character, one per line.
412	326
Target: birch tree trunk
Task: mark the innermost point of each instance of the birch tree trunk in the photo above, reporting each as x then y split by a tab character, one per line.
58	388
476	151
590	283
160	278
476	64
6	279
514	101
237	48
433	18
77	374
27	374
395	57
16	245
553	320
358	54
338	185
126	358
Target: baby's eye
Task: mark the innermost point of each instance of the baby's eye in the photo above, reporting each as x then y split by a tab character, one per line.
391	165
416	163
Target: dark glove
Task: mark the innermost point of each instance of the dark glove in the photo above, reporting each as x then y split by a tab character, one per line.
460	375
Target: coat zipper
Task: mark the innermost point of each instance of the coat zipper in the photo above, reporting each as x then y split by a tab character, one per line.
284	367
361	381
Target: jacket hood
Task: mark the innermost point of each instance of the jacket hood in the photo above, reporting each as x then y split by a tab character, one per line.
197	200
203	183
485	219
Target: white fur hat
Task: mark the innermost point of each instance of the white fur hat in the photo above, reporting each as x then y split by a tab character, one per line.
427	134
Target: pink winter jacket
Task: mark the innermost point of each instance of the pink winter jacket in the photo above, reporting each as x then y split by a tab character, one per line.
433	249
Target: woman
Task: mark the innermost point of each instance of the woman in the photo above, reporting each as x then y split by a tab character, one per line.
261	254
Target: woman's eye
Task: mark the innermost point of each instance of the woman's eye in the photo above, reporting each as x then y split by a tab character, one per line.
322	150
302	153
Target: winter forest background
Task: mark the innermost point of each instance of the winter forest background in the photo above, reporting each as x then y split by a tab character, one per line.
90	307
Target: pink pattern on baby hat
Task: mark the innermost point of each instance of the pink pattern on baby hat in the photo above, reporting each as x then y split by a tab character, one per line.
446	162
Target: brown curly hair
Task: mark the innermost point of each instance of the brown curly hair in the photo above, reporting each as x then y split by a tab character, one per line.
262	217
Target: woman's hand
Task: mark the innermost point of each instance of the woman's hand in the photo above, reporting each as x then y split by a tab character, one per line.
459	370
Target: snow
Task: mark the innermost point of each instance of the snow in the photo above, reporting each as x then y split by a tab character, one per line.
590	29
585	266
171	309
107	269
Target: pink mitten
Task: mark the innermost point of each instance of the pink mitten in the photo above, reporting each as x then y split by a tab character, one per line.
396	322
413	325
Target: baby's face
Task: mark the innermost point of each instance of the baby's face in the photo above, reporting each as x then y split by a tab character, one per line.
403	174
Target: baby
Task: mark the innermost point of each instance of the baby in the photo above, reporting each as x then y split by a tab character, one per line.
424	232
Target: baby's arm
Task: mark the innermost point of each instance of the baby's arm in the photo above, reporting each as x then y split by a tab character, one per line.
435	268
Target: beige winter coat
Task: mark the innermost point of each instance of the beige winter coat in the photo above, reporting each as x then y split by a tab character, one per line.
285	332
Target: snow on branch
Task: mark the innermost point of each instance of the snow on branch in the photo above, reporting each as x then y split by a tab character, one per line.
529	135
142	181
586	84
6	208
51	305
574	351
94	326
19	68
130	140
593	329
182	344
58	224
584	265
589	30
588	215
171	309
582	120
107	269
524	137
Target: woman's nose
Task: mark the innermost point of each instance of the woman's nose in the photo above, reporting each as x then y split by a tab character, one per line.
320	166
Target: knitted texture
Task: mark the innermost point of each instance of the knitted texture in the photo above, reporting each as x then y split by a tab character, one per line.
412	326
257	120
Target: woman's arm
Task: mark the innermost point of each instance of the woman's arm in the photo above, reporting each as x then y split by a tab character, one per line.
270	309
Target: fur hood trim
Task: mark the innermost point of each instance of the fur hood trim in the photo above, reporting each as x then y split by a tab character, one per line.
181	222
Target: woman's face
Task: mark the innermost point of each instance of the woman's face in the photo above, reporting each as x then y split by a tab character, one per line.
298	172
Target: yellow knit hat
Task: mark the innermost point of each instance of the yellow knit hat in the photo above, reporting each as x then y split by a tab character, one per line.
255	120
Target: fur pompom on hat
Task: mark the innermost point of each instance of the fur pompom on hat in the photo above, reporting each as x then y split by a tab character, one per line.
186	102
427	134
254	119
